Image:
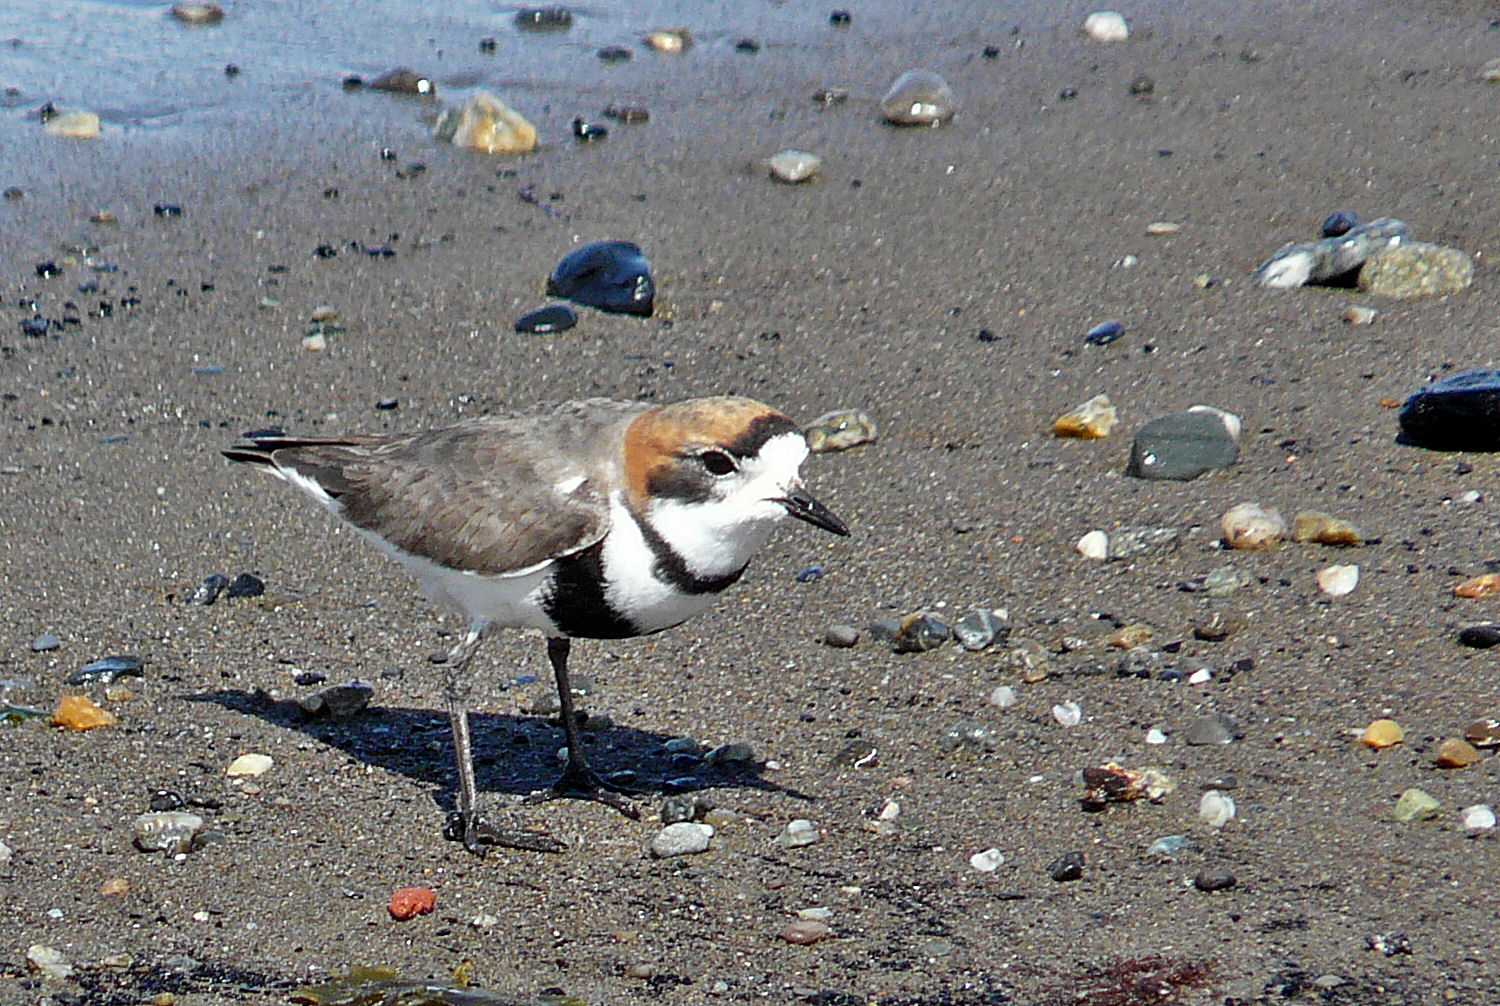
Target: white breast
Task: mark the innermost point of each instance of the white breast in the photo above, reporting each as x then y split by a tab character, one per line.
630	586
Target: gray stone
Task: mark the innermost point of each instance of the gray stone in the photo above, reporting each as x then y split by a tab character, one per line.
1459	413
1215	728
1181	446
1322	261
45	643
684	838
1417	269
979	629
1128	542
840	636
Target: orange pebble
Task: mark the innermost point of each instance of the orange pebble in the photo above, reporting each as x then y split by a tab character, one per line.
409	902
76	712
1479	586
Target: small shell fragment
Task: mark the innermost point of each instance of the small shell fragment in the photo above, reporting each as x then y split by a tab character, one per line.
1251	527
668	39
1094	545
794	166
78	713
249	765
1336	581
1382	734
1106	26
1479	586
1216	809
840	430
1092	420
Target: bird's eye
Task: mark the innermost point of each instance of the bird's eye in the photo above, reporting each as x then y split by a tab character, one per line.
717	462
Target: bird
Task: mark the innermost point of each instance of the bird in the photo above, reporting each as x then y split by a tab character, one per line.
590	519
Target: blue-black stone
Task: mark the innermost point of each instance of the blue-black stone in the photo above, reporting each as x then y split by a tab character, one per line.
1338	224
552	318
1458	413
608	275
1103	335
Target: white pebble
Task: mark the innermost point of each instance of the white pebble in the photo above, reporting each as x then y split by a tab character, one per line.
1478	817
1069	714
798	833
1216	809
315	342
817	914
1004	696
249	765
793	166
1251	526
1336	581
1471	497
685	838
1094	545
987	861
1155	736
1106	26
890	811
1201	676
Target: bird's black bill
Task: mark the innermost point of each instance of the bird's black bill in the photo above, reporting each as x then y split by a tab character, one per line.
801	505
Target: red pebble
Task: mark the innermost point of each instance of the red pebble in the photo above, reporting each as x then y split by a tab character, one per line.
409	902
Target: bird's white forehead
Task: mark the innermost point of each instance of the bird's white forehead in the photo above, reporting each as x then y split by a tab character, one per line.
784	453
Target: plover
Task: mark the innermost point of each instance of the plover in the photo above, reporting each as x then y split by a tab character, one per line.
595	519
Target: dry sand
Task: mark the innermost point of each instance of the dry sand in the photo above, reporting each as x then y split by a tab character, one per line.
1014	219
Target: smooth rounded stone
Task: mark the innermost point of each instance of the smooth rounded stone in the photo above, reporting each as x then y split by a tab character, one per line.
1214	878
1483	733
80	125
1154	736
49	961
1479	817
544	19
1216	809
794	166
1181	446
245	585
1336	581
1479	586
552	318
1068	866
1067	714
167	831
337	701
798	833
1103	334
1481	636
1114	783
1218	626
611	276
1094	545
107	670
1417	269
1028	658
1416	805
1003	696
980	629
208	590
1358	314
969	736
45	643
1213	728
404	81
840	636
919	632
681	807
627	113
1338	223
1168	845
1127	637
486	124
733	753
79	713
192	12
1093	420
806	932
588	132
840	430
1490	72
1139	662
1382	734
1458	413
1143	86
1251	527
1131	542
682	838
250	764
918	98
614	54
670	40
315	342
1455	752
1324	529
1106	26
987	861
1331	259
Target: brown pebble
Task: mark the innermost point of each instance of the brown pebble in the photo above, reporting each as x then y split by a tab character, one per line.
409	902
114	887
1483	733
1388	402
1383	734
1479	586
78	713
639	969
806	932
1324	529
1131	636
1455	752
1214	878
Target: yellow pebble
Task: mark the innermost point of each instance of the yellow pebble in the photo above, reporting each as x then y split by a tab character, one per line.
1383	734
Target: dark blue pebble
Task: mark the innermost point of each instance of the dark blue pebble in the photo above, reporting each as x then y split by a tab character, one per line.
609	275
245	585
208	590
105	671
587	131
552	318
1459	413
1103	335
808	574
1339	224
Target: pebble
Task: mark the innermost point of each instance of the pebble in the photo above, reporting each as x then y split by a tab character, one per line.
114	887
171	831
627	113
1216	809
1114	783
1490	72
1068	866
45	643
817	913
49	961
858	753
1094	545
987	861
798	833
1336	581
683	838
78	713
404	81
1214	878
1480	637
840	636
6	853
840	430
1155	736
315	342
486	124
1455	752
969	736
1103	334
1324	529
209	588
1479	586
918	98
544	19
249	765
1217	627
1251	527
190	12
79	125
587	132
1338	223
1168	845
735	752
409	902
337	701
1106	26
918	632
1417	269
980	629
1416	805
1003	696
1157	227
1068	714
1479	817
1181	447
1330	259
671	40
614	54
1382	734
1128	637
1358	314
1212	729
1093	420
794	166
552	318
806	932
1459	412
1483	733
245	585
1028	658
611	276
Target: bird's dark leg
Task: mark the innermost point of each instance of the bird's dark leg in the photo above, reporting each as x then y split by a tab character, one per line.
578	780
466	825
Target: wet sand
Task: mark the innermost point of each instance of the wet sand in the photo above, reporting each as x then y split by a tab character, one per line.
867	290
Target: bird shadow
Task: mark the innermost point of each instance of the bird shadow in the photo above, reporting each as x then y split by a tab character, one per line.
513	755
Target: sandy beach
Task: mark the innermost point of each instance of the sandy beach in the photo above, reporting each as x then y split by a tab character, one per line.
941	280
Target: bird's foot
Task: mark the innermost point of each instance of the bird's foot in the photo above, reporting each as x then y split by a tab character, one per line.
476	833
586	784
